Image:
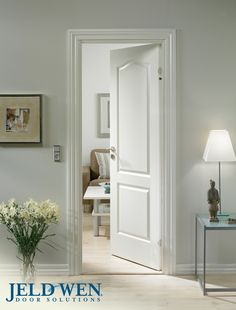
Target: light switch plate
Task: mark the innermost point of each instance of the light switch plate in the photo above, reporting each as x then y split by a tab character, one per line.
56	153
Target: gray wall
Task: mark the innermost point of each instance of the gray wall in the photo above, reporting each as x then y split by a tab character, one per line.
95	77
33	60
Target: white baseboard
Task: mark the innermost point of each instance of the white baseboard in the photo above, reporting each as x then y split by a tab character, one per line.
42	269
211	268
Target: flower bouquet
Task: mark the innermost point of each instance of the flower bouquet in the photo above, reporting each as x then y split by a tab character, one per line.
28	223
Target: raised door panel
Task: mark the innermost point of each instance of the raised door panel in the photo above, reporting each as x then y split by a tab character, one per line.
133	102
133	201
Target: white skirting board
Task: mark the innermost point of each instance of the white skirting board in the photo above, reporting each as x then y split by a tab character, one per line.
42	269
211	268
63	269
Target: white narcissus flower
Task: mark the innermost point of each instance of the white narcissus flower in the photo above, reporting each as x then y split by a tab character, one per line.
11	202
12	211
31	212
49	211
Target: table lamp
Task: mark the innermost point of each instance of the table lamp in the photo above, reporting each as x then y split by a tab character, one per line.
219	149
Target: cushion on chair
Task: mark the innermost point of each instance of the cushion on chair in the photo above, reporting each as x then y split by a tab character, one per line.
103	160
94	164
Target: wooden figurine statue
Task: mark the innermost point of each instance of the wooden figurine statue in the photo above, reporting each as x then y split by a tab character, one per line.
213	200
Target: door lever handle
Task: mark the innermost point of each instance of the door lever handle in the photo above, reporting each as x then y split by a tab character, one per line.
112	149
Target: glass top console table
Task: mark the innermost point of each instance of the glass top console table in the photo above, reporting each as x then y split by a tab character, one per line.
202	226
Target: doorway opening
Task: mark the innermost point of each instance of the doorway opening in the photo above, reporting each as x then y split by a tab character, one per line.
98	255
76	38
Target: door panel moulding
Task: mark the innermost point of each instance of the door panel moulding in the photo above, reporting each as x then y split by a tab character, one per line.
75	39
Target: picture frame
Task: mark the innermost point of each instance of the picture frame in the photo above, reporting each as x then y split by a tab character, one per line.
20	119
103	115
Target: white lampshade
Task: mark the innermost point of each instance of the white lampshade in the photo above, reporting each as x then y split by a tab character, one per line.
219	147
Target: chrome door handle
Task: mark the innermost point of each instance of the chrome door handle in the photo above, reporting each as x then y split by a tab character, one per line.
112	149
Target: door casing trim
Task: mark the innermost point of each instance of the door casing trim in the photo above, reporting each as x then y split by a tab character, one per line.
75	39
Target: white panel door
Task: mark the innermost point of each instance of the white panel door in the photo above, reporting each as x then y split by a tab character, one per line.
135	168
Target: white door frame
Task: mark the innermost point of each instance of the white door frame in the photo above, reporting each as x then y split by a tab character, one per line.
167	38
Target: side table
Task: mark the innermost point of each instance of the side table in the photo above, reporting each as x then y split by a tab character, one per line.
96	193
202	221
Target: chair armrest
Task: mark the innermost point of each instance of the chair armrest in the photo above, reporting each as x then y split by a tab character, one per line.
86	177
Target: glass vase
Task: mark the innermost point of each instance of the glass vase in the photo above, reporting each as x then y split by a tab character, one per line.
27	270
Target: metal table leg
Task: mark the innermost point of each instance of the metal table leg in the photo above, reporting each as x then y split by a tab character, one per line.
196	271
96	219
202	280
204	263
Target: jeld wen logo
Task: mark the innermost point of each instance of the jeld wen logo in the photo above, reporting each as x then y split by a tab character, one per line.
59	292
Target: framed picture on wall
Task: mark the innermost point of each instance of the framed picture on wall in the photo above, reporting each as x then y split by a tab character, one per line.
21	119
103	115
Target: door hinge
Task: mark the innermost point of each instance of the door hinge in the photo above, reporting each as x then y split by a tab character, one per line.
160	71
159	242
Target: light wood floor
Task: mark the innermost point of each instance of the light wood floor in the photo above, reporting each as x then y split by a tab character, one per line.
97	258
136	292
